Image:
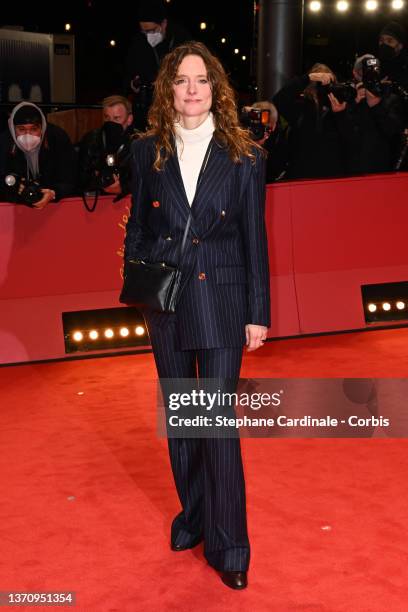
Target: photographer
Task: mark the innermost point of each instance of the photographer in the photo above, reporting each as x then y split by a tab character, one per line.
314	140
262	120
37	160
393	54
371	124
156	37
104	153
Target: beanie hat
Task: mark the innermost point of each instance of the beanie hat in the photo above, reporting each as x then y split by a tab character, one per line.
395	30
27	114
152	10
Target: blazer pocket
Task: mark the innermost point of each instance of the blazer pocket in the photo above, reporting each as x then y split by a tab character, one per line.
230	275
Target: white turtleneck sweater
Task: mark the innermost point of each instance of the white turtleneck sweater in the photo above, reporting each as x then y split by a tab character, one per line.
191	148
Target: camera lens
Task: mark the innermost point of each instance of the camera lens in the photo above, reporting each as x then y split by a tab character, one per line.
10	180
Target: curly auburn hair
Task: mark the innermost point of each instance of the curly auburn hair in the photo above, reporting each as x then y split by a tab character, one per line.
162	114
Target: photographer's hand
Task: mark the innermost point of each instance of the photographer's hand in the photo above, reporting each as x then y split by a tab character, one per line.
361	93
114	187
337	107
321	77
372	100
48	196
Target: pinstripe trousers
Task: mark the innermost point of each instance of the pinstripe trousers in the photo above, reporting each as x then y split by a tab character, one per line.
208	472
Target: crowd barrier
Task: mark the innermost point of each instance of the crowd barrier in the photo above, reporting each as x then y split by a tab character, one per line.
327	238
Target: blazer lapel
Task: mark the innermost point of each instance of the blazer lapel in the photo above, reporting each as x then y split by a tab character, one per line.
218	167
173	181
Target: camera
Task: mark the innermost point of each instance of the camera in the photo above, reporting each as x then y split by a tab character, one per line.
109	168
113	156
22	190
111	164
343	92
257	120
371	68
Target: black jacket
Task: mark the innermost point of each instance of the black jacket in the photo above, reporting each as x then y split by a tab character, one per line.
314	140
57	162
143	60
396	69
92	155
276	147
371	136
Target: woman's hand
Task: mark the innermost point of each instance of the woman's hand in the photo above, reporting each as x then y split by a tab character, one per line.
321	77
255	336
337	107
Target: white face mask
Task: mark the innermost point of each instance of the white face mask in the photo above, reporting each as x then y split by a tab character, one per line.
28	142
154	38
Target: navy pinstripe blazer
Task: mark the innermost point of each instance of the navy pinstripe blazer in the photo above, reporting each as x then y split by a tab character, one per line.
225	263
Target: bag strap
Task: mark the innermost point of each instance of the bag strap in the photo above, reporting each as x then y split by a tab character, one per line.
190	216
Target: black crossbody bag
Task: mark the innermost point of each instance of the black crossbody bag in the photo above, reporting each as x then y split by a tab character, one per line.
155	284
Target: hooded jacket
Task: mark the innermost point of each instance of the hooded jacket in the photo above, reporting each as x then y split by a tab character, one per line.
52	163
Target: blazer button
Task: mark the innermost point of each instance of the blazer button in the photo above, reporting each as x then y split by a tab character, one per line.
223	213
195	241
201	276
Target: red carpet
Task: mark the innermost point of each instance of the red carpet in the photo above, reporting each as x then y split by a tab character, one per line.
87	492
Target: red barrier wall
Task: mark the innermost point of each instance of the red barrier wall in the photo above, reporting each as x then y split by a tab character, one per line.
343	234
326	239
55	260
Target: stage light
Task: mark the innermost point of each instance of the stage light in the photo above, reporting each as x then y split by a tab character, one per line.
203	25
243	58
112	43
342	6
223	40
107	329
67	27
385	302
315	6
397	5
371	5
236	51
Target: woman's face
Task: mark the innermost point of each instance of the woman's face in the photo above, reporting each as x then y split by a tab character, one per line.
192	90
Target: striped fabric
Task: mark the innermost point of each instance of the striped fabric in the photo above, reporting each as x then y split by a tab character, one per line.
225	264
208	472
225	286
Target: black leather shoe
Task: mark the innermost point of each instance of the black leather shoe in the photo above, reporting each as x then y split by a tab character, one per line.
235	580
179	547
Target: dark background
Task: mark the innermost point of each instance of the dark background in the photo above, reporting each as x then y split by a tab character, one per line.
329	36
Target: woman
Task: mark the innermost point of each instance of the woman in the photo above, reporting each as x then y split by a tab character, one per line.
314	136
225	298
